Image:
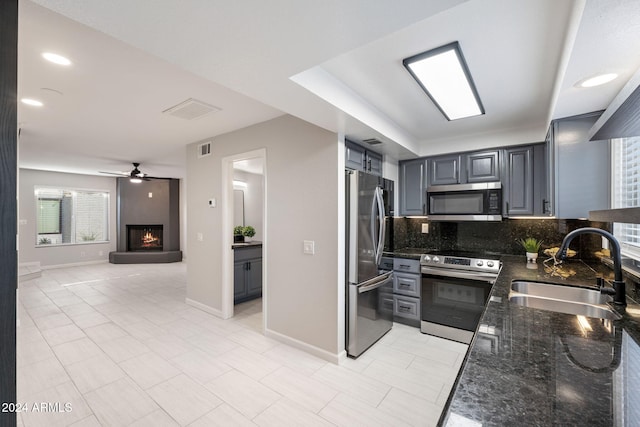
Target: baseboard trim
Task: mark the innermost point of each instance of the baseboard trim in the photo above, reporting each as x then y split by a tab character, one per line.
73	264
204	307
308	348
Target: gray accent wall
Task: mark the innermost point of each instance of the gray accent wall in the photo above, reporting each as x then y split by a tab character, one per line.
154	202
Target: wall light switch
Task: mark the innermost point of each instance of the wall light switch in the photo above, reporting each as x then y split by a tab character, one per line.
200	237
425	228
309	247
212	203
150	194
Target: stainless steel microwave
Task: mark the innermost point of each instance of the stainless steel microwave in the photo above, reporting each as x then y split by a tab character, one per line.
465	202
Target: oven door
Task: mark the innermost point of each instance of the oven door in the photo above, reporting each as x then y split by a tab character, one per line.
453	302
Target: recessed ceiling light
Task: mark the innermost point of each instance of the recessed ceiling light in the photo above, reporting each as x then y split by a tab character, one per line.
443	75
32	102
56	59
597	80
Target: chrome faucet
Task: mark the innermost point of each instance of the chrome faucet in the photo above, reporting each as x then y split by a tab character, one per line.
618	291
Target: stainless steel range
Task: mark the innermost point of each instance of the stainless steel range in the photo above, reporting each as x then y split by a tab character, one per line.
455	290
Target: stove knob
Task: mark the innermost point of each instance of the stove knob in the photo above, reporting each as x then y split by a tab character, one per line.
427	258
436	259
489	264
479	263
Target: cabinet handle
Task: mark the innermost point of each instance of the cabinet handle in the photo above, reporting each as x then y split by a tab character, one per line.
405	285
405	266
369	167
404	308
424	209
545	202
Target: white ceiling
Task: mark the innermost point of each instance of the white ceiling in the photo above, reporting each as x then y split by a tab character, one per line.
255	60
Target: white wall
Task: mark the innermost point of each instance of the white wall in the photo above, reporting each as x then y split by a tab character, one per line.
303	297
67	254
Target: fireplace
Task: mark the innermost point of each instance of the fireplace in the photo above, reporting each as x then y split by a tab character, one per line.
144	238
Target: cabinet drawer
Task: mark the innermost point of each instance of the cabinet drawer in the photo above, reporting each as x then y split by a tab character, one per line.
406	307
407	265
247	253
406	284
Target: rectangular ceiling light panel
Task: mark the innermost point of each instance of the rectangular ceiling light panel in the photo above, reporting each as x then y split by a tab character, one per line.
443	75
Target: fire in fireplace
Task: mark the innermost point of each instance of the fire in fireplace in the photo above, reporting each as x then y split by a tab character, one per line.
144	238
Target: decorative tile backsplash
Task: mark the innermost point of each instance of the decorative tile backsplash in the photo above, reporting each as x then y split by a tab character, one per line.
495	237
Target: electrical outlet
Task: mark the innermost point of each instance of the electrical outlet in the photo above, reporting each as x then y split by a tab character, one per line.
425	228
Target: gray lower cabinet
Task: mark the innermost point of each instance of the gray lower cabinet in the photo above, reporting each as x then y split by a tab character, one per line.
406	291
413	187
247	274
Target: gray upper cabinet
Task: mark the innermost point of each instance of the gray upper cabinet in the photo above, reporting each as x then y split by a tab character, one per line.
359	158
483	166
518	188
583	167
413	186
374	163
354	156
444	170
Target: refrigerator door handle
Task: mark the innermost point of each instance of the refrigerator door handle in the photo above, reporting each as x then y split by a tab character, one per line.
382	225
377	283
374	216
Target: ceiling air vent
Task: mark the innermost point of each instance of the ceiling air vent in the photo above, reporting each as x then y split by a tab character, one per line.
204	149
372	141
191	109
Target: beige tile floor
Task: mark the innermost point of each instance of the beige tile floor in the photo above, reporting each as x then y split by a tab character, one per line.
118	346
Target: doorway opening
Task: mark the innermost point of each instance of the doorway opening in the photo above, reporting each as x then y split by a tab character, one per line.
245	239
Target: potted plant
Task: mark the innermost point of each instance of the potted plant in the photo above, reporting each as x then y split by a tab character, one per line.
237	234
248	232
531	245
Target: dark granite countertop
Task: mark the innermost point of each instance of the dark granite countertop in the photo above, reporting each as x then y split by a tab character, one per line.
246	244
527	366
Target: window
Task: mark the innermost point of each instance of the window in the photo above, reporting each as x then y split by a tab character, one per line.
66	216
626	194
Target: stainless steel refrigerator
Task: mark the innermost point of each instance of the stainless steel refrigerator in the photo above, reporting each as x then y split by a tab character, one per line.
369	204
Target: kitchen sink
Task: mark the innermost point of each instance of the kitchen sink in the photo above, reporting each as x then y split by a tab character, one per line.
562	299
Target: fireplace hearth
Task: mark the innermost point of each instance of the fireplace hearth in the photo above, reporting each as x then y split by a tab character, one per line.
144	238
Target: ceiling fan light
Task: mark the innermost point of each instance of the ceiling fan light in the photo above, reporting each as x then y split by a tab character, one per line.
135	180
443	74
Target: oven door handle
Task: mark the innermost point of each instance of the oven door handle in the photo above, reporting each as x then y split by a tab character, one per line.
473	275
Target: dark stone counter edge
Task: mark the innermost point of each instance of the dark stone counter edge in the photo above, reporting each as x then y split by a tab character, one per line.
246	245
502	288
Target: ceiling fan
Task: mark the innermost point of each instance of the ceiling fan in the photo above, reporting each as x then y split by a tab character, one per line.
135	175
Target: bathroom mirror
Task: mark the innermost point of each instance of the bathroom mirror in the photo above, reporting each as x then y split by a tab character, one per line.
238	207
